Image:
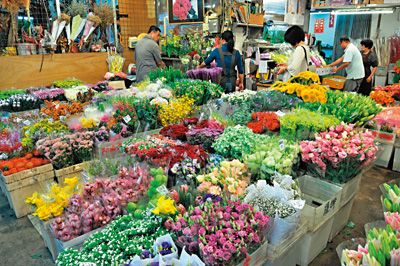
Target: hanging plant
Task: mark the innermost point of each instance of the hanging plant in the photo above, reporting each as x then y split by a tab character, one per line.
13	6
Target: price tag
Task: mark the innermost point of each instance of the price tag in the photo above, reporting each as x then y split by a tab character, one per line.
208	49
51	120
162	190
317	150
280	113
238	126
281	145
27	122
201	116
19	120
127	119
87	264
62	118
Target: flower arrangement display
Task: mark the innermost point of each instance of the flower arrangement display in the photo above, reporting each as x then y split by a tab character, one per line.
68	83
382	97
102	134
264	121
168	74
100	202
53	202
52	94
186	170
176	110
339	154
19	103
347	107
228	179
147	114
121	240
271	155
56	109
177	132
19	164
303	124
238	97
393	89
235	142
39	130
240	229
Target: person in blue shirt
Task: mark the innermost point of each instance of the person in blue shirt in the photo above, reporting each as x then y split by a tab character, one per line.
228	58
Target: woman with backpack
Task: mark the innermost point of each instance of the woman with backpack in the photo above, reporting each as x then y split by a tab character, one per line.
228	58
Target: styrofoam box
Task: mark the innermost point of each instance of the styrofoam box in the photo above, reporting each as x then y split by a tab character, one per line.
322	200
341	218
386	155
350	189
258	257
380	224
384	137
48	238
396	160
314	242
290	257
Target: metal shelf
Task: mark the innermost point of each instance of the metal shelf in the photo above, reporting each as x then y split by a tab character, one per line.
249	25
354	6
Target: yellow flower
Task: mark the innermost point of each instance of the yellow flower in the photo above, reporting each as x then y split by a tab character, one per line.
231	189
200	178
215	190
165	206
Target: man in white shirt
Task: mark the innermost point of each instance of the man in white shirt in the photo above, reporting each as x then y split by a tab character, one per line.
352	62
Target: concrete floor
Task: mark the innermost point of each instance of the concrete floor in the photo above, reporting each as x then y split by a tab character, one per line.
19	240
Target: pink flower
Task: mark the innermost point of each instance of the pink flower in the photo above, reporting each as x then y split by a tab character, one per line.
108	75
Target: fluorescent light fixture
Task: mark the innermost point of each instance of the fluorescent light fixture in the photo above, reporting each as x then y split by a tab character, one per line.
362	12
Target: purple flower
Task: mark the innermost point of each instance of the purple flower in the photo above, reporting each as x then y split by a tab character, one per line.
166	245
154	264
146	255
165	252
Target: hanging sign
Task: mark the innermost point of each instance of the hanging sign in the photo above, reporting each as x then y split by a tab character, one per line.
331	20
319	25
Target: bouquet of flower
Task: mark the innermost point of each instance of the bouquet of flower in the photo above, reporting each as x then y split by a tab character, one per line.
19	103
382	97
122	234
186	169
56	109
204	136
169	74
228	179
238	97
115	76
393	89
133	146
303	124
147	114
347	107
53	202
19	164
235	142
68	83
73	93
275	100
381	245
339	154
389	116
126	114
57	149
52	94
102	134
177	132
82	146
270	155
264	121
391	199
176	110
38	131
227	244
10	144
308	93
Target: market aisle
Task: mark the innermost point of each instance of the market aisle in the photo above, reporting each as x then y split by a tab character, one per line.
19	240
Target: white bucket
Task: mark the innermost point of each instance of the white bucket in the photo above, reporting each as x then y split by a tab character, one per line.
26	49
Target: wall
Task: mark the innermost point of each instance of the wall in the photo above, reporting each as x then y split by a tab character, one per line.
328	37
389	24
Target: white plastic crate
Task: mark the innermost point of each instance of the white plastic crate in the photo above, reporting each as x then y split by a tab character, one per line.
341	219
322	200
396	160
314	242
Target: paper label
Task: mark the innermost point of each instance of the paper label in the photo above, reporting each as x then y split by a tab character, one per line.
27	122
62	118
50	120
19	120
238	126
139	180
281	145
162	190
280	113
353	115
208	49
87	264
127	119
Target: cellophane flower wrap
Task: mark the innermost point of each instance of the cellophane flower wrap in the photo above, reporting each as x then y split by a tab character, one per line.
230	178
224	232
339	154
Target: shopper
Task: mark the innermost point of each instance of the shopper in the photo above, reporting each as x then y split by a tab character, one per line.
353	63
228	58
369	60
147	54
298	62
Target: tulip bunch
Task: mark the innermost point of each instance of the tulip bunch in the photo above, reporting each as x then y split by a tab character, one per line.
393	219
392	198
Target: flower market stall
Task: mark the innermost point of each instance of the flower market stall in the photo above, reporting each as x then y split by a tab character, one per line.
173	171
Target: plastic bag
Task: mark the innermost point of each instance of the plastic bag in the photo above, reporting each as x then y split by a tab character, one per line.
161	243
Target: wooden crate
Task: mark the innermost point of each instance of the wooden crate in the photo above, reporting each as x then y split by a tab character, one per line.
18	187
322	200
69	172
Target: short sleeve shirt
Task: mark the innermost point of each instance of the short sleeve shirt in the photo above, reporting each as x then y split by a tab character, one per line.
147	55
355	70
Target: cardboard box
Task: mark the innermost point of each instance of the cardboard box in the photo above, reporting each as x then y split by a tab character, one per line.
335	82
257	19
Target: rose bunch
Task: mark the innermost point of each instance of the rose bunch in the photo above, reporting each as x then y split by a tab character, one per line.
181	9
239	226
57	149
339	154
228	179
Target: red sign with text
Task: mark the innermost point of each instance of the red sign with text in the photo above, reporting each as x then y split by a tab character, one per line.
319	25
331	21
